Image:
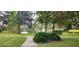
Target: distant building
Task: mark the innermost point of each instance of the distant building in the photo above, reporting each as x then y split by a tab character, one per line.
3	18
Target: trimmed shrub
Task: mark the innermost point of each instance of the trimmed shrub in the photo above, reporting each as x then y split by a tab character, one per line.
59	31
54	37
0	30
42	37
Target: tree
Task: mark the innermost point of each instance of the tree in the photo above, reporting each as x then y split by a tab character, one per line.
40	19
72	19
12	21
57	17
18	21
3	20
25	18
44	18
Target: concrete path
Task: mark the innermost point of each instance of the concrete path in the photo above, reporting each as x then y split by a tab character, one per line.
29	42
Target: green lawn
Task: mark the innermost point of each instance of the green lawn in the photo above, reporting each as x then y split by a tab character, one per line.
74	30
70	34
7	34
11	39
67	41
16	40
70	39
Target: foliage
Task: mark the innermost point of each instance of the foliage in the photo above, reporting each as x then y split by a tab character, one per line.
53	17
40	37
12	21
54	37
16	19
72	19
43	37
44	18
26	18
62	18
59	31
67	41
68	27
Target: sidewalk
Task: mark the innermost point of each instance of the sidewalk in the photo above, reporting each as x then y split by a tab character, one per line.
29	42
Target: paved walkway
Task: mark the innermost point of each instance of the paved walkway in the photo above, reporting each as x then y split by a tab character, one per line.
29	42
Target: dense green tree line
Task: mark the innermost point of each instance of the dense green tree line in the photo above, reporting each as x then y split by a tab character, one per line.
16	19
66	18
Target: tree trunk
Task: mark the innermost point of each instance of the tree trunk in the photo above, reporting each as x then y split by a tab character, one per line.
45	27
18	28
18	20
53	28
30	30
41	27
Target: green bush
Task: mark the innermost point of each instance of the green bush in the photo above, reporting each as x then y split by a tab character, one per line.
0	30
42	37
59	31
54	37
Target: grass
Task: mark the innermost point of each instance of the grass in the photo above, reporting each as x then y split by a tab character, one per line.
7	34
16	40
67	41
69	34
11	39
74	30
